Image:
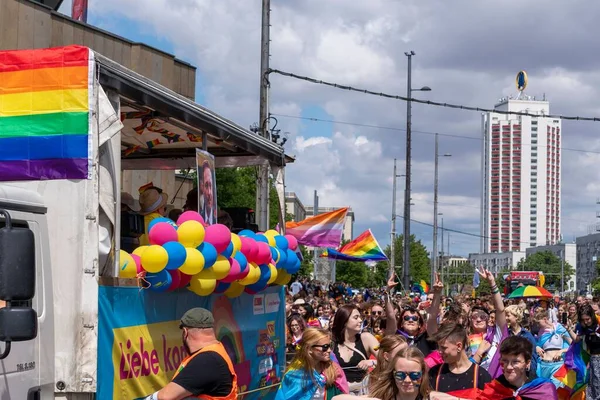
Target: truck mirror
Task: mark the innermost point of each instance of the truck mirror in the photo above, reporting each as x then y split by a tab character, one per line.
17	262
17	324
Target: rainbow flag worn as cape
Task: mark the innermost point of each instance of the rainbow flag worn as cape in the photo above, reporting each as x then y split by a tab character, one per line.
537	389
363	248
323	230
574	375
45	101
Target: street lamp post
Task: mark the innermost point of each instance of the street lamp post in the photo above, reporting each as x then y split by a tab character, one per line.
407	194
435	210
393	233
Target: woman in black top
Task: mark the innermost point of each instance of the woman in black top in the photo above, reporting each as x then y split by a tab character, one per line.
352	348
589	330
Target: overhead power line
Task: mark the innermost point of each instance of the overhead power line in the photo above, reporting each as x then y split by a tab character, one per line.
332	121
428	102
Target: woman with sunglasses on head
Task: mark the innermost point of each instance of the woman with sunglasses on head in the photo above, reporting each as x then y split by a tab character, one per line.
352	348
411	324
515	383
484	340
313	374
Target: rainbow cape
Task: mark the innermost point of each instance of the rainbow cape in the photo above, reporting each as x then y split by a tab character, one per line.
323	230
537	389
574	374
363	248
45	101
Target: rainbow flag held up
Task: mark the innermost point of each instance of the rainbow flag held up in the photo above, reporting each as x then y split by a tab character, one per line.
45	101
323	230
421	287
363	248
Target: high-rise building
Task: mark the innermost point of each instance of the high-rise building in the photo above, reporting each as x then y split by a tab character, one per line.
521	176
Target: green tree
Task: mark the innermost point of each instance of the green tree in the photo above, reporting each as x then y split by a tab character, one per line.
378	275
420	263
353	273
550	265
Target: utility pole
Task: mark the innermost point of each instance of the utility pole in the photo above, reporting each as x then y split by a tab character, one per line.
316	250
393	233
407	194
435	260
262	187
562	272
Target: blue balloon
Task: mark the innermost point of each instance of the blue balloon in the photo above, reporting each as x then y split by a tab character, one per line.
295	268
261	238
242	260
221	287
228	251
281	242
177	254
291	260
210	254
247	233
265	273
275	253
160	281
282	259
161	219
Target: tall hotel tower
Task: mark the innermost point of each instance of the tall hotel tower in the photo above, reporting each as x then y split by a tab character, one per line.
521	175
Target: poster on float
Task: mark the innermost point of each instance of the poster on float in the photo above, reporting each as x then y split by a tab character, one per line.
207	186
140	344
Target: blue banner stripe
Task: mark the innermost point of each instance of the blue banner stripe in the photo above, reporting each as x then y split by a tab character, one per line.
44	147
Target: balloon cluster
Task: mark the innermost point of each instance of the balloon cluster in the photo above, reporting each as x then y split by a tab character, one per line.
210	259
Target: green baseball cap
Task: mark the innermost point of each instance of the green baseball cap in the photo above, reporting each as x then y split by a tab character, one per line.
197	317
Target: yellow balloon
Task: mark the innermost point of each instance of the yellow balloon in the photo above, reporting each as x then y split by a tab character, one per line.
127	266
190	233
154	258
273	277
271	233
234	290
253	276
237	243
194	262
221	267
283	277
203	287
140	250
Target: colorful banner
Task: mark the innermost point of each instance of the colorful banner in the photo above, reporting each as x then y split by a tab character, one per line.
140	347
46	96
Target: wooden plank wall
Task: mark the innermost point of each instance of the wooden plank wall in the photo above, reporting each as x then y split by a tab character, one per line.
26	25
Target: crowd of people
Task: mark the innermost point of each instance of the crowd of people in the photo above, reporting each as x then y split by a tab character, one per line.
377	344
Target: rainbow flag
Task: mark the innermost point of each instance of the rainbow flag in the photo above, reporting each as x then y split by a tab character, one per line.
421	287
45	99
323	230
363	248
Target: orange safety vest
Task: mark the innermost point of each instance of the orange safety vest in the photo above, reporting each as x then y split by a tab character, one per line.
220	350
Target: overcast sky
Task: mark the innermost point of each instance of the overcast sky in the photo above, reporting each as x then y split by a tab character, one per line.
468	52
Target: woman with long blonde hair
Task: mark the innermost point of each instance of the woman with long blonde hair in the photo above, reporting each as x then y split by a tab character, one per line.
313	374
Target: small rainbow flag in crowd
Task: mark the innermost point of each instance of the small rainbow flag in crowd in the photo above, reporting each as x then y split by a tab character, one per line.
363	248
323	230
421	287
45	99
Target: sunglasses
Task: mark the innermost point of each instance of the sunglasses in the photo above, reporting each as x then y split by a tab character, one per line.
410	318
414	376
483	317
377	312
324	347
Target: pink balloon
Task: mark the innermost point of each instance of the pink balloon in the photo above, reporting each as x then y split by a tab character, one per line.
190	216
234	271
175	279
162	233
264	253
249	248
184	279
292	242
138	262
244	273
219	236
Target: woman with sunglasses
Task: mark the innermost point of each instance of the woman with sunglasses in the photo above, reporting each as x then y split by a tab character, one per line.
313	374
352	348
405	378
484	340
295	330
412	325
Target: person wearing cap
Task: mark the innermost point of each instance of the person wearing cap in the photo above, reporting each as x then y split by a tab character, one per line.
207	372
152	205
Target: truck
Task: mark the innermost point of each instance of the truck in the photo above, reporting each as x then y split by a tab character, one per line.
70	328
516	279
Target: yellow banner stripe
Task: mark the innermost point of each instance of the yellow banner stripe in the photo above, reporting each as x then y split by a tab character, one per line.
52	101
